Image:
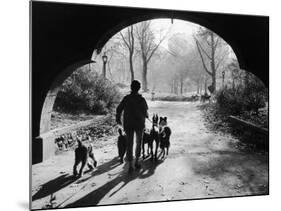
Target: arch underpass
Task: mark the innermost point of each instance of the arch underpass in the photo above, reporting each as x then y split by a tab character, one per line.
65	35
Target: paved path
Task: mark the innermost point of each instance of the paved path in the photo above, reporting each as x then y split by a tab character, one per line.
201	164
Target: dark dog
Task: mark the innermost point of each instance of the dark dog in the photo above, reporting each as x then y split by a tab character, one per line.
150	137
164	136
205	97
122	145
146	140
82	153
194	98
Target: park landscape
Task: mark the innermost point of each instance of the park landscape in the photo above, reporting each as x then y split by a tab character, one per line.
218	114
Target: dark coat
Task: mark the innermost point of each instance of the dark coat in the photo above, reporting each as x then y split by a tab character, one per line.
134	108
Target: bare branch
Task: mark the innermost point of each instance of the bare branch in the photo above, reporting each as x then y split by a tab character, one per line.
217	41
216	44
124	40
209	44
202	59
219	62
172	53
156	47
197	42
132	39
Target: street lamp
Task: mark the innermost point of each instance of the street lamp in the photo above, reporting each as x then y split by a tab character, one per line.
223	74
104	59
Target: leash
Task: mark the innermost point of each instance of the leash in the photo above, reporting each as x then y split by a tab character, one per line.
149	120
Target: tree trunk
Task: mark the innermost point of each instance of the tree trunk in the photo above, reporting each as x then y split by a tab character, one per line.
198	86
171	87
144	77
131	67
181	85
175	85
213	68
205	86
213	89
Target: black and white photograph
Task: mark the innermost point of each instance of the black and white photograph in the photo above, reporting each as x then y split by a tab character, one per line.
138	105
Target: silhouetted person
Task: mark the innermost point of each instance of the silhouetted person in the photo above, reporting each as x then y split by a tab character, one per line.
135	111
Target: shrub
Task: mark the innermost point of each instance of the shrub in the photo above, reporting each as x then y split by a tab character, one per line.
248	97
98	107
230	101
88	92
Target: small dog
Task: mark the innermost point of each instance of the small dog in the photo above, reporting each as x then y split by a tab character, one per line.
82	153
122	145
164	135
194	98
149	136
146	139
205	97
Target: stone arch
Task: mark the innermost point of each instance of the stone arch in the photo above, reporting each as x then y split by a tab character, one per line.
52	93
65	40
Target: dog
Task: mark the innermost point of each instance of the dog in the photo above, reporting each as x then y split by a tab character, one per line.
149	137
146	140
121	145
205	97
59	142
194	98
164	136
82	153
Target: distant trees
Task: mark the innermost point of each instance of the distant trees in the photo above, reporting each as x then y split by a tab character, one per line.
129	42
134	44
236	73
178	48
181	65
208	45
147	47
186	63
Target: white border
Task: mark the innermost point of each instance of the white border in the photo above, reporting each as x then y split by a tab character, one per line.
14	118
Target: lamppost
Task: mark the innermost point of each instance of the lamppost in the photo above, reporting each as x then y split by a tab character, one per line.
104	59
223	74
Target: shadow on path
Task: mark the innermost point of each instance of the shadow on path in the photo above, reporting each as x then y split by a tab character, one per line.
65	180
251	170
93	198
54	186
105	167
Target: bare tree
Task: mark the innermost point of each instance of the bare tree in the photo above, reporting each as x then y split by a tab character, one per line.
208	51
129	42
147	47
179	49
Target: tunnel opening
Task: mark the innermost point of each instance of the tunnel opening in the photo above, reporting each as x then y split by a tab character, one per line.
175	48
218	123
